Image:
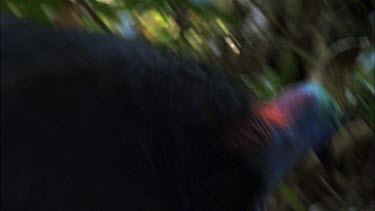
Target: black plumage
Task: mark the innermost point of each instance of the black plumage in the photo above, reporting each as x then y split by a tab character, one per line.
91	122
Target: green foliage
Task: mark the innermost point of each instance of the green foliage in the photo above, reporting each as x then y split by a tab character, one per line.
291	198
34	10
363	88
264	86
288	67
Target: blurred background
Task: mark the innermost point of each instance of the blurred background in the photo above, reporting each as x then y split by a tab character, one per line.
263	45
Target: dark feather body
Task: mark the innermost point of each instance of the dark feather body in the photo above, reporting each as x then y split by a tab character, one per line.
91	122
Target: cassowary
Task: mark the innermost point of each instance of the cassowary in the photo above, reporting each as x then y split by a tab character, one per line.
91	122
